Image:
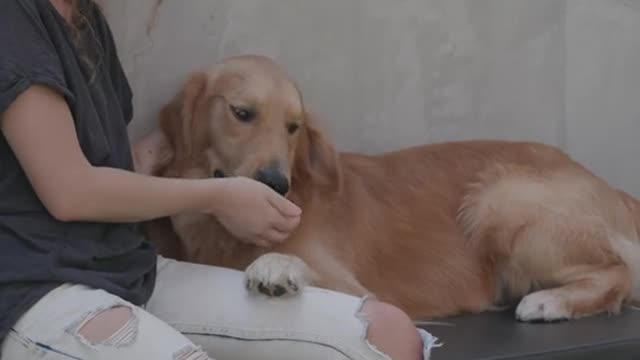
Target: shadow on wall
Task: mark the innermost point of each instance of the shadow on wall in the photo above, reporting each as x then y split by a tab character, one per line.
391	74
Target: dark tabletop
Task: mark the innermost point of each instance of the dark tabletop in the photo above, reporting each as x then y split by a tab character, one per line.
498	335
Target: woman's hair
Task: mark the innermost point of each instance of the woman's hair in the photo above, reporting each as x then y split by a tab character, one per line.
78	24
78	21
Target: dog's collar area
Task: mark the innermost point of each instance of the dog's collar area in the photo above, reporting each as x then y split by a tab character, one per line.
217	173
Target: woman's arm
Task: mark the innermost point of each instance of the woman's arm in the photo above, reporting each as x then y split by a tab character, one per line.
40	130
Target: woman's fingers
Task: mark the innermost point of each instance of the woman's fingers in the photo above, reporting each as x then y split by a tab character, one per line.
276	235
286	224
285	207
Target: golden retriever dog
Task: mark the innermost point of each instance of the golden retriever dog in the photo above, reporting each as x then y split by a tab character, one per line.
437	230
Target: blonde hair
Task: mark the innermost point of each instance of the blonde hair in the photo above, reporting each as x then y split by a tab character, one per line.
79	22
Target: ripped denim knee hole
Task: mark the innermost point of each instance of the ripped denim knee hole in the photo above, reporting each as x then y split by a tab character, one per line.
123	336
428	340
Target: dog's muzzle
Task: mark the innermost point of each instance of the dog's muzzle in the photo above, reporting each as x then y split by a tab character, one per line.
273	178
270	176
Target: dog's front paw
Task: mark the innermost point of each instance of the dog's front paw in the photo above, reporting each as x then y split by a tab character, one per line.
542	306
277	275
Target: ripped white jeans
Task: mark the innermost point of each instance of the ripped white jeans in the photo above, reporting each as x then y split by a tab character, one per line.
197	313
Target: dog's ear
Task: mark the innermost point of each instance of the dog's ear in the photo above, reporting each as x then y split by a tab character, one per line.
316	159
184	121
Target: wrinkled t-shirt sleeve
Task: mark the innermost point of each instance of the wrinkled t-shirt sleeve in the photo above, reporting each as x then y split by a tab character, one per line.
27	55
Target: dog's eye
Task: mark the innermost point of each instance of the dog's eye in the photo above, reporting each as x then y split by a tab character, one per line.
292	128
242	114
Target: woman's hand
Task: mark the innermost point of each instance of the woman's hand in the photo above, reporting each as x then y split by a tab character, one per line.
253	212
248	209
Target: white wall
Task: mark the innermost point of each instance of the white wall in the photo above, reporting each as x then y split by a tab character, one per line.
387	74
603	88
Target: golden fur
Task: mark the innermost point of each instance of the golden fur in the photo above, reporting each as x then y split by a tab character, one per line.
436	230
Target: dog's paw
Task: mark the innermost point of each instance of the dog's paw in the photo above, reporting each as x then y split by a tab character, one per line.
542	306
277	275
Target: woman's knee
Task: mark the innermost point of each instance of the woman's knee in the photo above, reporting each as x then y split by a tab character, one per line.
120	327
392	332
105	324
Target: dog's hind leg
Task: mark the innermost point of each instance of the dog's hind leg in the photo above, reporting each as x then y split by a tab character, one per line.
566	267
585	291
550	242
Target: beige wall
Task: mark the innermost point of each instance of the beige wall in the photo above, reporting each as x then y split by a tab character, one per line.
387	74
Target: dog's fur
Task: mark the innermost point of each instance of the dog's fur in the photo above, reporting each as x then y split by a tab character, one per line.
436	230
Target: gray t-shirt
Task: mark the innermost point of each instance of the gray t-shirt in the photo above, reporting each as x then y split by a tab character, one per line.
39	252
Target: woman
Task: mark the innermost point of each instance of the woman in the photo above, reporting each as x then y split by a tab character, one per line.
76	279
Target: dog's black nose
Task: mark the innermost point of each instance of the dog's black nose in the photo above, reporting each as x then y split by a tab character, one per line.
273	178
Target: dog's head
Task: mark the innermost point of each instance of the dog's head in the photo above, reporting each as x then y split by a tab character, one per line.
245	117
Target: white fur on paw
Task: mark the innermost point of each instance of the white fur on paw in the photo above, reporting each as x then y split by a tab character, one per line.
542	306
277	275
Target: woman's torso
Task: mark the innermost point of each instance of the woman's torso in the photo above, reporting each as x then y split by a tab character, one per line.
38	251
